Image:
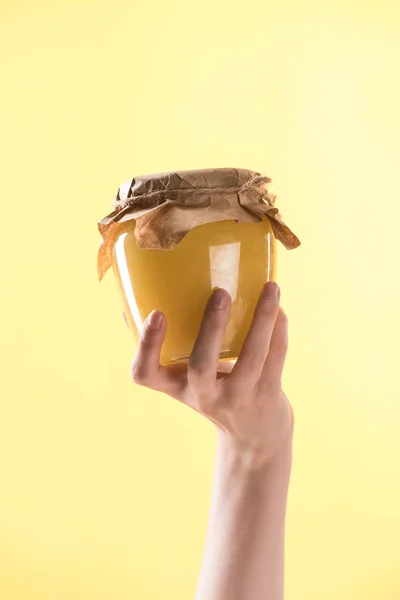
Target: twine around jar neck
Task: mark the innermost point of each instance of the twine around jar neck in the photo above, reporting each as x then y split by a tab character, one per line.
257	184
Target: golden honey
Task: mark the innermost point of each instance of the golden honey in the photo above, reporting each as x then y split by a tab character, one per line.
239	257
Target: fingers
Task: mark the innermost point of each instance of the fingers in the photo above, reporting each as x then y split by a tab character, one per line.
275	362
146	364
250	363
203	362
146	368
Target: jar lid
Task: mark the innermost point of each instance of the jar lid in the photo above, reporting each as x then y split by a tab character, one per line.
166	206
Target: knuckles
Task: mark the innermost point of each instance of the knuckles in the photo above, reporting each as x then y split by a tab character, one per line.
140	374
283	318
147	336
199	377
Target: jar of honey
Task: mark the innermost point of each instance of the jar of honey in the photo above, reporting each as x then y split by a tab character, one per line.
174	237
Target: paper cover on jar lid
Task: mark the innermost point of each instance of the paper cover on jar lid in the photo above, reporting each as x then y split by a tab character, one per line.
166	206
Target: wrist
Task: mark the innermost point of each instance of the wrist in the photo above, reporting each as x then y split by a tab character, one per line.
254	464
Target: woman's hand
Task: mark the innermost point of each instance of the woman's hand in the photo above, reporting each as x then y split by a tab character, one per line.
244	551
245	400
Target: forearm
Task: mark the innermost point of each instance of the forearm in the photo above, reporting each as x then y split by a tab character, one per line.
244	553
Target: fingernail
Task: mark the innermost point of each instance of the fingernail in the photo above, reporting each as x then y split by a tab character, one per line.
271	289
155	319
219	299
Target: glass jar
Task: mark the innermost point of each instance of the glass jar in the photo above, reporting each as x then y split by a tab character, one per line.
238	257
174	237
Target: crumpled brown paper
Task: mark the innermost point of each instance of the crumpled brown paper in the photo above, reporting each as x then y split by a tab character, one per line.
168	205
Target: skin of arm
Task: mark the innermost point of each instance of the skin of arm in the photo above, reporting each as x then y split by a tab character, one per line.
244	551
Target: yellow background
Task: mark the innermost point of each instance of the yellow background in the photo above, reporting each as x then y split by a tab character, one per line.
104	487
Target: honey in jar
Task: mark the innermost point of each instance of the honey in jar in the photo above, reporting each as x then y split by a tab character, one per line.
181	236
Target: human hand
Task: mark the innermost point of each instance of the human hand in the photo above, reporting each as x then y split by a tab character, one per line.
244	400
